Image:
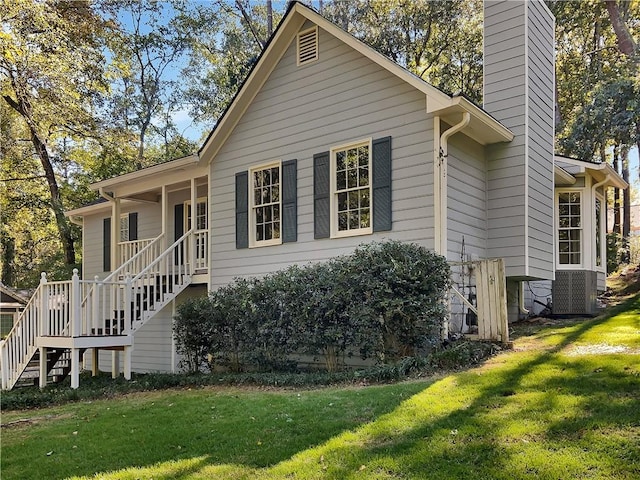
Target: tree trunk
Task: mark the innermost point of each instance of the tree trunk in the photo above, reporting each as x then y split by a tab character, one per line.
626	44
269	19
626	207
8	273
64	229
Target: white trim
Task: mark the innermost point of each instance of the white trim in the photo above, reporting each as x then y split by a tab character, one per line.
526	137
253	243
584	226
603	239
186	204
333	202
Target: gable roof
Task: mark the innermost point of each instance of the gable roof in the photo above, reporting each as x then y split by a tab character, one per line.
601	172
483	128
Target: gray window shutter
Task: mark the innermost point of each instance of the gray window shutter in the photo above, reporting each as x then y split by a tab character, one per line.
178	221
178	231
321	196
290	201
382	184
106	245
242	210
133	226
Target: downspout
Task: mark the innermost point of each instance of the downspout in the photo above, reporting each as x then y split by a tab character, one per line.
523	310
440	152
440	192
76	221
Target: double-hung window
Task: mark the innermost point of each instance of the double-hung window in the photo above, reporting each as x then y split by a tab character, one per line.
124	227
264	197
569	228
351	204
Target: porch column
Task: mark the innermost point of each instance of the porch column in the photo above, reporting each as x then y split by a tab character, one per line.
115	234
192	240
43	367
115	364
165	217
75	368
127	362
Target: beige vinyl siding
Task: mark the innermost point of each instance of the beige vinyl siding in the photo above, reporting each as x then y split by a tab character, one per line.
92	246
466	199
518	91
300	111
541	134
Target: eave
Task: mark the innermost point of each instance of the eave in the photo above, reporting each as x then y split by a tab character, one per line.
482	128
599	171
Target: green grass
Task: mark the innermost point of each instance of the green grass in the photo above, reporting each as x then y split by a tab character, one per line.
556	407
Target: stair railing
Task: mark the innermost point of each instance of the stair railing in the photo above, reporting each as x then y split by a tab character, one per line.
19	346
162	279
139	261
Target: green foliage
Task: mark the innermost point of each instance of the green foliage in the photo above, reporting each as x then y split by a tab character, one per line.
194	332
383	302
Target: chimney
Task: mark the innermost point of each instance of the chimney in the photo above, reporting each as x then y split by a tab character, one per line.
519	92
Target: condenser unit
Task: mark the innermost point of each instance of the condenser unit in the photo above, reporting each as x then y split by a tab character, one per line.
575	292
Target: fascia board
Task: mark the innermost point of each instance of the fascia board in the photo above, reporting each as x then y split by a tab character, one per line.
167	168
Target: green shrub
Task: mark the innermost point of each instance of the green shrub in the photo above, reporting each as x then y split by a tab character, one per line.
194	332
384	302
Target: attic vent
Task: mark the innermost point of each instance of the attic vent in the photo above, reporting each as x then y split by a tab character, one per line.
308	46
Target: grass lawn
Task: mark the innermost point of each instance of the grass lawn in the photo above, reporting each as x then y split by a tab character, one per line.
564	404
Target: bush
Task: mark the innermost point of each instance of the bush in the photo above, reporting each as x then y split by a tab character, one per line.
384	302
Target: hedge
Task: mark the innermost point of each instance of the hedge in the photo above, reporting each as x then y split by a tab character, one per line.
383	302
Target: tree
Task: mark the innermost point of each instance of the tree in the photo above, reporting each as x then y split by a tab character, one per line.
232	36
51	76
149	46
440	41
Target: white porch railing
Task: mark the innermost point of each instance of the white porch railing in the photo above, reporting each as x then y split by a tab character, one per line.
145	252
127	250
201	245
109	307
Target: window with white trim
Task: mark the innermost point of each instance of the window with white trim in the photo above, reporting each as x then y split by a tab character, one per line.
599	229
569	228
351	204
201	214
124	227
265	203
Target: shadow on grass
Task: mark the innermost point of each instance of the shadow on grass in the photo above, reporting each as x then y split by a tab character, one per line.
538	414
573	418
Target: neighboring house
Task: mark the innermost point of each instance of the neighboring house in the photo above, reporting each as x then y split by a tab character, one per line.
327	144
12	302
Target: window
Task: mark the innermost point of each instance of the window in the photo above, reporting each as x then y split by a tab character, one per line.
351	190
264	196
124	227
570	228
201	214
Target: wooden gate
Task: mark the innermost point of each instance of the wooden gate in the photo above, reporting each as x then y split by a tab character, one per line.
491	307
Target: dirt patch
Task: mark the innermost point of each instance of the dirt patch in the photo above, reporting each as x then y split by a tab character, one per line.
25	422
600	349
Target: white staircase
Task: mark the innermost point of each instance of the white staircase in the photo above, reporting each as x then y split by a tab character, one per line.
70	316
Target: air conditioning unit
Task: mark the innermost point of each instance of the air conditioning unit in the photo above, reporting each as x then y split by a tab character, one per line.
575	292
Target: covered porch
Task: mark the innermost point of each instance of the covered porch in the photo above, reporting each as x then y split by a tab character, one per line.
147	211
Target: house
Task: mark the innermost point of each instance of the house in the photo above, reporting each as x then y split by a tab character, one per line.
12	302
327	144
